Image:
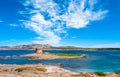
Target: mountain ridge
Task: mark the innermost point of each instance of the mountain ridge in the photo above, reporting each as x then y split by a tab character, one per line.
48	46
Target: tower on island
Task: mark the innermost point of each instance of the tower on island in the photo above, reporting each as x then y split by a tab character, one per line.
39	50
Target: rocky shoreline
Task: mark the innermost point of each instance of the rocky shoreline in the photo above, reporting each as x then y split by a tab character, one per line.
41	70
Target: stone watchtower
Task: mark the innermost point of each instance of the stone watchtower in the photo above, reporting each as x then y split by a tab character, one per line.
39	50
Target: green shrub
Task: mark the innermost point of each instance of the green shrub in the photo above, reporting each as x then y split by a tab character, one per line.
41	69
67	55
19	69
100	73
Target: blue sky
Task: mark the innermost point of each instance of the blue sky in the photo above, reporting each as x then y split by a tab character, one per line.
82	23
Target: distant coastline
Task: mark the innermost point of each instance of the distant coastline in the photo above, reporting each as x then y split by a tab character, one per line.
49	47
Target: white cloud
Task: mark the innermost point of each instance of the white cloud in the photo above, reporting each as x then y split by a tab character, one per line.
77	18
48	20
110	45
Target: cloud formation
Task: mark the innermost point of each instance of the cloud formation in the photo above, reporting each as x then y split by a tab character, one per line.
51	18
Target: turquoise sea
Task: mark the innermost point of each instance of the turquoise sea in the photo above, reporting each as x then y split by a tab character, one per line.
96	61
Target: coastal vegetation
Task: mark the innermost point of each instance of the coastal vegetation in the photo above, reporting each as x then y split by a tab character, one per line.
19	69
41	69
100	74
72	55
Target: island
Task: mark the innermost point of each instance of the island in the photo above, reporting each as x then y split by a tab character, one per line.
40	55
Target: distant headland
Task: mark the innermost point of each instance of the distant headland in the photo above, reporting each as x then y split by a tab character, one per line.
49	47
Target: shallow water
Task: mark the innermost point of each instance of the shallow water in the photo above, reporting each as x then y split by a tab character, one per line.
96	61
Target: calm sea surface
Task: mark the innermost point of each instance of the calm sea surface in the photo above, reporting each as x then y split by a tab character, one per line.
96	61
